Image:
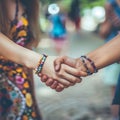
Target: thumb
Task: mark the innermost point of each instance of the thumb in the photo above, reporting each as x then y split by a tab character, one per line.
64	60
57	67
57	63
70	61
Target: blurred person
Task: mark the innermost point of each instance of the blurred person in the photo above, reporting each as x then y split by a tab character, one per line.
111	27
58	33
74	13
19	29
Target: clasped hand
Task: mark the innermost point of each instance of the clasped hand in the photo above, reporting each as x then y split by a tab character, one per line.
64	73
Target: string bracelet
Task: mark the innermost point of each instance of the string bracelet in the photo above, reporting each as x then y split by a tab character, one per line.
85	65
92	63
40	64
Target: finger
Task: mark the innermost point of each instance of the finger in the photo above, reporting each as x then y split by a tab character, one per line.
49	82
54	85
79	81
74	72
64	82
61	85
59	88
70	61
57	63
64	59
69	78
44	78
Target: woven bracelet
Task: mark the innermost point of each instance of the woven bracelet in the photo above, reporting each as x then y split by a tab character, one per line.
85	65
92	63
40	65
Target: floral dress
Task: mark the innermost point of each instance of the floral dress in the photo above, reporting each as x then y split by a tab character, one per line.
17	100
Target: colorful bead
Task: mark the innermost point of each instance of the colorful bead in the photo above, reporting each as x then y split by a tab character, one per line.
85	65
41	63
91	62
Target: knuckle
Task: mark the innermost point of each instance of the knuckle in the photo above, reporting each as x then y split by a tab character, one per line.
55	77
78	73
61	73
61	86
74	80
47	84
42	80
68	84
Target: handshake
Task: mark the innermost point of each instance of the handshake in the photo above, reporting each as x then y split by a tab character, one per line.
62	72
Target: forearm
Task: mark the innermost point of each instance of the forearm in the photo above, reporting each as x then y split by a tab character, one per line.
18	54
107	54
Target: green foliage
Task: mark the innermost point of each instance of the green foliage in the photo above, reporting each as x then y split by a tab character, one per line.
48	1
91	3
84	3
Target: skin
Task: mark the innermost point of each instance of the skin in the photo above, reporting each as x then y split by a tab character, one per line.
30	59
102	57
67	76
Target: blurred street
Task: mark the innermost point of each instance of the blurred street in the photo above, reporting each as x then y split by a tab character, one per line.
89	100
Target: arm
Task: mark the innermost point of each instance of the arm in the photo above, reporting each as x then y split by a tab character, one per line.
30	59
106	54
102	57
18	54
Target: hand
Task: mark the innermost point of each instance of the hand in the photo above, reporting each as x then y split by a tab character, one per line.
76	63
52	83
67	75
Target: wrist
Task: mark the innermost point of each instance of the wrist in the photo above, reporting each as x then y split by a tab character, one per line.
80	65
32	60
49	63
88	65
40	65
96	60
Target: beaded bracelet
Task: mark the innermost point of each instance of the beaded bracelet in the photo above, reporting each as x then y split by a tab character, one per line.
85	65
40	65
92	63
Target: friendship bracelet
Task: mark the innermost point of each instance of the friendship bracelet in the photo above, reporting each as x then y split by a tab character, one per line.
92	63
85	65
40	65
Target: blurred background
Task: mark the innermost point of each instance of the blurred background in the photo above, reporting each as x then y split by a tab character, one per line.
71	27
